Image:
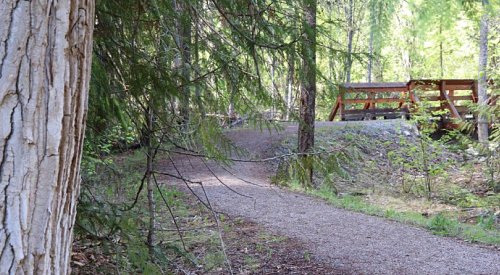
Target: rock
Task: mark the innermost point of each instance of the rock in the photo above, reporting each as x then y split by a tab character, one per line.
471	152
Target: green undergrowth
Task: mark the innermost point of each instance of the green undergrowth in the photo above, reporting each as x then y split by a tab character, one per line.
440	224
113	218
390	169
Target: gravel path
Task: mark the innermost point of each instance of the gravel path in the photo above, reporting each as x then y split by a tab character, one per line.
352	243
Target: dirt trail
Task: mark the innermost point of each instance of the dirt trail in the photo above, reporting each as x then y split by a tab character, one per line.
351	242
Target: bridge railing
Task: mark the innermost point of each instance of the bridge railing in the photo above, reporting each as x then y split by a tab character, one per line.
360	101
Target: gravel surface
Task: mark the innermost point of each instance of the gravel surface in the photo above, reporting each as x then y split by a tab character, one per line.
351	242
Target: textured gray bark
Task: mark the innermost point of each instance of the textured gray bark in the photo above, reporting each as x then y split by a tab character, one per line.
45	60
308	86
482	121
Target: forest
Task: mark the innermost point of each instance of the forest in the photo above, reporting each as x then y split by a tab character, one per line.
250	137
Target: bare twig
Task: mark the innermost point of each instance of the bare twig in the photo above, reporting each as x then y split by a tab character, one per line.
240	178
223	246
252	183
249	39
186	182
171	213
128	208
208	205
221	182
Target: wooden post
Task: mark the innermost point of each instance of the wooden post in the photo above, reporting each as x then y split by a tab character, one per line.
403	99
442	92
333	113
475	87
449	102
342	106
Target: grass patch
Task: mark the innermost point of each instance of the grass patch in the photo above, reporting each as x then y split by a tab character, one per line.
440	224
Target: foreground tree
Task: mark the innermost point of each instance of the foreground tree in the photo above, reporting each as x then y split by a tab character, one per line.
308	88
45	51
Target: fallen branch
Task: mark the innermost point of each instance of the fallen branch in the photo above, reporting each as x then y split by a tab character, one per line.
196	154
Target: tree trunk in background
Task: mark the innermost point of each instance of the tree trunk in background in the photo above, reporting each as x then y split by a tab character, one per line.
45	61
232	88
373	22
441	63
370	59
274	88
149	180
290	81
350	36
184	43
331	62
482	121
196	45
308	88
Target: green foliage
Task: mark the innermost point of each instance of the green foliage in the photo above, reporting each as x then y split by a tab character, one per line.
103	217
487	222
441	225
119	232
213	260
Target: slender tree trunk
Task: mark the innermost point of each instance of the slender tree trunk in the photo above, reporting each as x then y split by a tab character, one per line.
230	110
370	59
184	30
196	45
149	181
373	22
379	70
350	37
45	60
273	87
290	83
482	121
308	89
232	88
331	62
441	64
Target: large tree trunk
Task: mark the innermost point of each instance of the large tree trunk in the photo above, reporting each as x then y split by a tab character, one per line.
308	88
482	121
45	57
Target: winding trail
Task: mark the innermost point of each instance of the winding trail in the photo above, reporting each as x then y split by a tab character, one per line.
352	243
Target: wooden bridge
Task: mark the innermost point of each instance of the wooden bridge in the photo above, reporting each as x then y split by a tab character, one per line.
388	100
